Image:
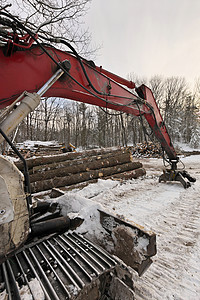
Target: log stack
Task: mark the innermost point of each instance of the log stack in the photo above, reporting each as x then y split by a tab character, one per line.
73	168
28	149
147	149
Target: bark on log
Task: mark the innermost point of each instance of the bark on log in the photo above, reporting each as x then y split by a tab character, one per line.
78	161
130	175
57	192
80	177
37	161
84	167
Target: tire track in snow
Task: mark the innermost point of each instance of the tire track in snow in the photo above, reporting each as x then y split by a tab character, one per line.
175	272
173	213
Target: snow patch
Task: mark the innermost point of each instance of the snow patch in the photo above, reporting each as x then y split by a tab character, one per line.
143	242
73	289
3	295
32	144
75	205
36	290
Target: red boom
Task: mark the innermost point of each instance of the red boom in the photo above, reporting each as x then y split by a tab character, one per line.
30	69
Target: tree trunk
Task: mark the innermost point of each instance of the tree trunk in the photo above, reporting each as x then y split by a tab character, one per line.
84	160
38	161
83	167
80	177
130	175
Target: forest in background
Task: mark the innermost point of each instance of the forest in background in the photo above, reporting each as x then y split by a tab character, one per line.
89	126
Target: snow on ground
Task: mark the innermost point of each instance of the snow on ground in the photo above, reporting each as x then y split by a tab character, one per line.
185	147
32	144
169	210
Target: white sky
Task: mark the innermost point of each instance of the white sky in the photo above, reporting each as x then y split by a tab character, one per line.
147	37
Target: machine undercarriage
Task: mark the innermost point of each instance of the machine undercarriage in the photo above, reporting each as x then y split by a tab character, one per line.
41	250
65	266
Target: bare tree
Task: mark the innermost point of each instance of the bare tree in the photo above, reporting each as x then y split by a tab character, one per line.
157	84
176	90
191	134
138	80
60	18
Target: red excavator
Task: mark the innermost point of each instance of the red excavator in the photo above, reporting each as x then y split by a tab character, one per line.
58	262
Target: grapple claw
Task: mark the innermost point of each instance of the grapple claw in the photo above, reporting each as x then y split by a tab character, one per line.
182	176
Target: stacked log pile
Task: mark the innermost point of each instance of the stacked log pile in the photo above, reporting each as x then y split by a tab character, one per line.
37	150
73	168
147	150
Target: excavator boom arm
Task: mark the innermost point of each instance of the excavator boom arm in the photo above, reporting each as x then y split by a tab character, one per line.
31	66
29	69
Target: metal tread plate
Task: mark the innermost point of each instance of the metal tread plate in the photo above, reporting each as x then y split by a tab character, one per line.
65	266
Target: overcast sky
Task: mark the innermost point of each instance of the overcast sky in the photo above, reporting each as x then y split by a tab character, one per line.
147	37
